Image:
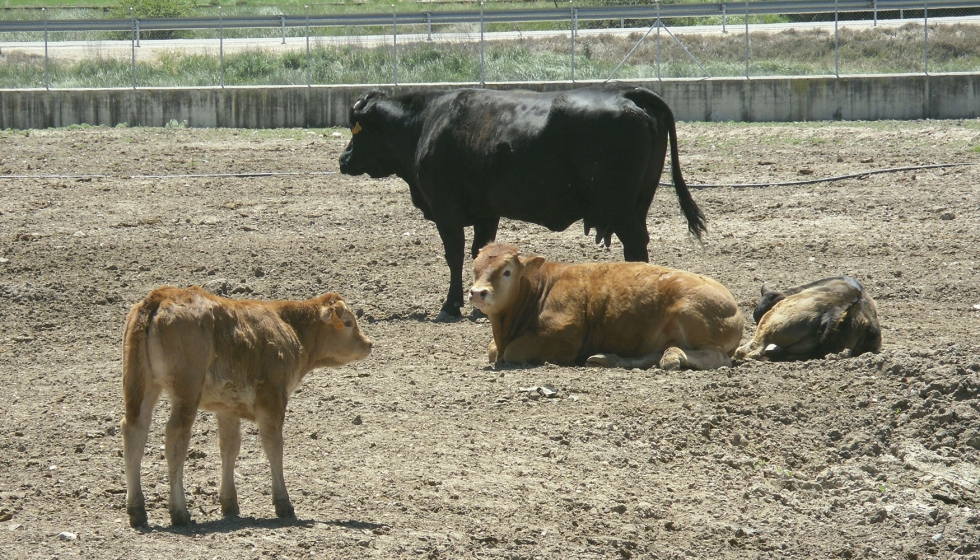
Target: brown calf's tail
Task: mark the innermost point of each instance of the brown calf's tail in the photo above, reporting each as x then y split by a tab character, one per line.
136	360
658	108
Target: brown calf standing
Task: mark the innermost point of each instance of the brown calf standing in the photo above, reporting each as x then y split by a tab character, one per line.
238	358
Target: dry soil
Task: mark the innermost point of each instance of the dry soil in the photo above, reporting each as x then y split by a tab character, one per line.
424	450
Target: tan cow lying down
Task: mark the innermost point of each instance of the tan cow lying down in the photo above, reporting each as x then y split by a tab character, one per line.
610	314
810	321
240	359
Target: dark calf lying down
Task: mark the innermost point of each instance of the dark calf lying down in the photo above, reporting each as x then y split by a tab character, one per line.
810	321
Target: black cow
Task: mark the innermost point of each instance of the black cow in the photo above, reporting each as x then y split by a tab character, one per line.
472	156
810	321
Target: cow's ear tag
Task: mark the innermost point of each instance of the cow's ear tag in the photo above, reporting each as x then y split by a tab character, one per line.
356	128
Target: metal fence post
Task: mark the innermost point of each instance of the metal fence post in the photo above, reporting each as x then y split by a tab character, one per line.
47	79
874	6
746	39
658	39
282	23
221	44
925	36
724	18
573	22
483	65
307	8
394	44
428	25
836	41
132	43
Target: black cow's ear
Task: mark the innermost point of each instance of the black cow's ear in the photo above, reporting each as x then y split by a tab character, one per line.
763	289
366	98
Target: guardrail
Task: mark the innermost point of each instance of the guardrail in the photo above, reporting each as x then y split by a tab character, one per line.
570	14
386	31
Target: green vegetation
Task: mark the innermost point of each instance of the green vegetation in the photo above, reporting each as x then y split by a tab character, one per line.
882	50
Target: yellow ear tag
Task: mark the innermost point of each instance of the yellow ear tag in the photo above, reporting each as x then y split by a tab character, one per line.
356	128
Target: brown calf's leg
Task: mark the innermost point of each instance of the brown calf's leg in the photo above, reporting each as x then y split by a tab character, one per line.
135	430
705	358
614	361
178	439
229	443
270	432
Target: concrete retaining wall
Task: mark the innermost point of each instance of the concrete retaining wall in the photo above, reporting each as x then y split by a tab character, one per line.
903	97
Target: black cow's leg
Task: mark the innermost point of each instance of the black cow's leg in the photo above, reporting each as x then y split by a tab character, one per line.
484	232
635	239
455	245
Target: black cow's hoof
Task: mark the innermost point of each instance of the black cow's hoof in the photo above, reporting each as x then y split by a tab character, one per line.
447	317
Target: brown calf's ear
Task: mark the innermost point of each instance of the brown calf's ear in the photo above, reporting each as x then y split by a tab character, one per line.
336	317
530	262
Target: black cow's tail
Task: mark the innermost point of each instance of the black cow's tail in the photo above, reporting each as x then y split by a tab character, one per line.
649	100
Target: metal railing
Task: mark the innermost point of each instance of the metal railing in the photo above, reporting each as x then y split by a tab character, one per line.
420	26
557	15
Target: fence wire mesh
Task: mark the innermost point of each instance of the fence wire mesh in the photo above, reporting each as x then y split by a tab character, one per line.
286	49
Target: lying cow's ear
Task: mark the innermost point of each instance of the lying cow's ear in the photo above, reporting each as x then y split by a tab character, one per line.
763	289
530	262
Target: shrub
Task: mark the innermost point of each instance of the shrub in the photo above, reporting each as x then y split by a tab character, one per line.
151	9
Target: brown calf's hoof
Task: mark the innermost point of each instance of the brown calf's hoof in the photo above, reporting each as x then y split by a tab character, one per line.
230	510
137	516
285	511
673	359
602	360
180	518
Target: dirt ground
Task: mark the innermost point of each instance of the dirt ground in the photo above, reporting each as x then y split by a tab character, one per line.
424	450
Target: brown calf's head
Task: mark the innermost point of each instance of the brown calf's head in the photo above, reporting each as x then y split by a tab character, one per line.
497	273
339	339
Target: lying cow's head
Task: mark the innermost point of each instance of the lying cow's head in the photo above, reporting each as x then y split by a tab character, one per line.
766	302
369	150
339	340
497	271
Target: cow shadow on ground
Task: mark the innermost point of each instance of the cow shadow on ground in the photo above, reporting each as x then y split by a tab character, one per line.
475	316
233	524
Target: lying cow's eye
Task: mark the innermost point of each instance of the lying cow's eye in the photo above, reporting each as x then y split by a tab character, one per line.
506	273
348	324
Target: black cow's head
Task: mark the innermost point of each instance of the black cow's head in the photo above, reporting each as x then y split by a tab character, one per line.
766	302
369	150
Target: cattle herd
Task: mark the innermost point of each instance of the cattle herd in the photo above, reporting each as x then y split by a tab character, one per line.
471	157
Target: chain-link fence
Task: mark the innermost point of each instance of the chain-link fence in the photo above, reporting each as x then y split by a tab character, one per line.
70	49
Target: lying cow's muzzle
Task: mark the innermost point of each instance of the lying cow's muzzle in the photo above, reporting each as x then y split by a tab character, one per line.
479	297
